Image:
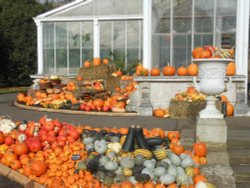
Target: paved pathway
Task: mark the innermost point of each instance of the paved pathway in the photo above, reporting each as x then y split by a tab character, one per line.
238	130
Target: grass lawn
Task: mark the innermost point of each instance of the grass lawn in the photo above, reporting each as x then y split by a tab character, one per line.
7	90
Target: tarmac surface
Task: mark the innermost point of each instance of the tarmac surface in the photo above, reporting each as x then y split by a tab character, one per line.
238	127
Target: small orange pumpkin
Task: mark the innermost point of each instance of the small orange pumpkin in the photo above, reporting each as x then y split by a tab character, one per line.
192	69
178	149
231	69
168	71
230	109
105	61
197	51
181	71
86	64
96	61
159	112
155	72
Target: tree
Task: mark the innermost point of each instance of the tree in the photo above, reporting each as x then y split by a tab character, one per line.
18	55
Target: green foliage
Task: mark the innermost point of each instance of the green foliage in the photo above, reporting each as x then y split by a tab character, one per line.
18	56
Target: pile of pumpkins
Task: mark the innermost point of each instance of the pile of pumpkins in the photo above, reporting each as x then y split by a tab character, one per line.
58	154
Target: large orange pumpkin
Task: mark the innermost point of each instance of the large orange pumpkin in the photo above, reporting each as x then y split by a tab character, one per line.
181	71
230	109
168	70
192	69
98	103
155	72
231	69
38	168
200	149
20	148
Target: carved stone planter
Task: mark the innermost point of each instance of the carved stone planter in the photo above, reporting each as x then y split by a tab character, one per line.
212	73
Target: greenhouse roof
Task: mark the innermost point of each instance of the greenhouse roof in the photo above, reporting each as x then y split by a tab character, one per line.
94	8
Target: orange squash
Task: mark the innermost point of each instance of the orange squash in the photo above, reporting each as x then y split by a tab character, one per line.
178	149
38	167
159	112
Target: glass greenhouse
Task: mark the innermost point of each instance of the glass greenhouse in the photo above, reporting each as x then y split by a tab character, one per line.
155	32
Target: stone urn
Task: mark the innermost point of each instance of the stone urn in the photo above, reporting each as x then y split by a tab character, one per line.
212	75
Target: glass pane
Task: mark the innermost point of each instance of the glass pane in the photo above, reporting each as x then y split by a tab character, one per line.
109	7
161	16
182	12
203	22
86	9
105	38
74	47
87	40
48	48
182	49
61	48
226	23
160	50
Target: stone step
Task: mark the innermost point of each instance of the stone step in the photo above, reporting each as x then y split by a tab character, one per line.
239	156
238	143
243	184
242	173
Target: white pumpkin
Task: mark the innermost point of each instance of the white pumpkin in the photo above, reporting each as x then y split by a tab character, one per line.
167	179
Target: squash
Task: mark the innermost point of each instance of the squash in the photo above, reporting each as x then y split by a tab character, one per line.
159	171
127	162
167	179
175	159
187	162
200	149
115	146
103	160
145	153
127	172
140	139
129	143
148	172
143	178
160	154
111	165
150	164
172	170
100	146
139	160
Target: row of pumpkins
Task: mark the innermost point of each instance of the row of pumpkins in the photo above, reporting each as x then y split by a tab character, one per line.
58	154
168	70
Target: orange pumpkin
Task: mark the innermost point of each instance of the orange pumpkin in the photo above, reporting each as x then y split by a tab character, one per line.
155	72
105	61
159	112
20	148
15	164
141	72
191	90
173	134
230	109
149	185
126	184
168	70
98	103
178	149
158	185
181	71
86	64
38	167
197	51
200	149
192	69
224	98
20	97
138	185
157	132
116	185
8	158
231	69
96	61
79	78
